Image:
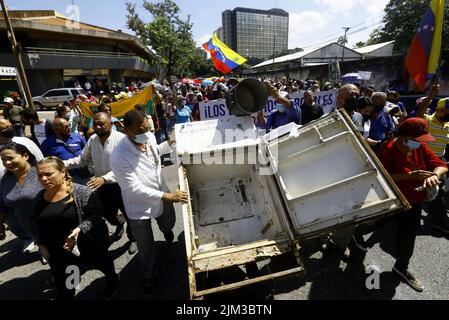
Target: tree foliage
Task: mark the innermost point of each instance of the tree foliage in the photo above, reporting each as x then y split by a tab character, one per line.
402	19
342	40
360	44
169	35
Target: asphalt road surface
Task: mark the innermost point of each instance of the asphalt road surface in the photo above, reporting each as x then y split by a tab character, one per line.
22	276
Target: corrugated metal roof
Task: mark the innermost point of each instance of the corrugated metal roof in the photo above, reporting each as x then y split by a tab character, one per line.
289	57
373	47
300	55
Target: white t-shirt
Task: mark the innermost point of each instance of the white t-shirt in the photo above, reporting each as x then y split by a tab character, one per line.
31	146
366	129
39	131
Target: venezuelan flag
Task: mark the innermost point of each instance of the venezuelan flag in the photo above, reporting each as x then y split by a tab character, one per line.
225	60
423	57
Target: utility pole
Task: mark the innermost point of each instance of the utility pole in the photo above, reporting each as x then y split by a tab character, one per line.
344	43
16	49
274	51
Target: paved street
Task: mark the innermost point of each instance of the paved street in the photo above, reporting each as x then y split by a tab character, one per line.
22	276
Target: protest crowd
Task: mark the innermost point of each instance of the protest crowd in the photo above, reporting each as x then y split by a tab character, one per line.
65	179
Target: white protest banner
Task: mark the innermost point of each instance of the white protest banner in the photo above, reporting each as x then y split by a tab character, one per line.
214	109
326	99
203	136
364	75
217	109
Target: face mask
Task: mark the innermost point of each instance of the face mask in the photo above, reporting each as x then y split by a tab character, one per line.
280	107
8	133
350	104
142	138
413	145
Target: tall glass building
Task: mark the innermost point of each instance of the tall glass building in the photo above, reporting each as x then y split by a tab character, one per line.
255	33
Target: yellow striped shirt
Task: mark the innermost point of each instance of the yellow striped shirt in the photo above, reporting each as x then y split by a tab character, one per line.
440	132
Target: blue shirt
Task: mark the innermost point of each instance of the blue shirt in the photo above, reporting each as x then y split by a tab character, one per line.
277	119
183	115
381	126
69	149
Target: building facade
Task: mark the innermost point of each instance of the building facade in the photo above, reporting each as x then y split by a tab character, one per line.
256	33
220	33
57	52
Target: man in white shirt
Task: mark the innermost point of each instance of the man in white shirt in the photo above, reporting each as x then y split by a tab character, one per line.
137	168
41	129
98	151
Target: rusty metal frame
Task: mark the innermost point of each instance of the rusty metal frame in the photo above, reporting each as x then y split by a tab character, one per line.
231	256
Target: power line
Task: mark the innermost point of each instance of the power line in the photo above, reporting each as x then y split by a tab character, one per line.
333	36
311	45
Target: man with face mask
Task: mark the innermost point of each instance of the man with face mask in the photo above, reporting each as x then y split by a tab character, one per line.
439	128
284	113
382	124
7	136
98	151
347	99
136	165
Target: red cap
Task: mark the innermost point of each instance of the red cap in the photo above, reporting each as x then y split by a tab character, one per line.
416	128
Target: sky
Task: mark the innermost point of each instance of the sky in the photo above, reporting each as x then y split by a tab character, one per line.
313	23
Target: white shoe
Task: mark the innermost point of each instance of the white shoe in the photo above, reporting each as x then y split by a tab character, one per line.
28	246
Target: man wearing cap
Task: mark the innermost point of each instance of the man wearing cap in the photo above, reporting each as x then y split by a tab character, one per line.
416	171
439	128
12	113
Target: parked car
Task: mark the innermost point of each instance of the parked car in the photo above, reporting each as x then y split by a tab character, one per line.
52	98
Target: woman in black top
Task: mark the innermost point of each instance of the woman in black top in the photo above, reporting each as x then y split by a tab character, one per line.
71	229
